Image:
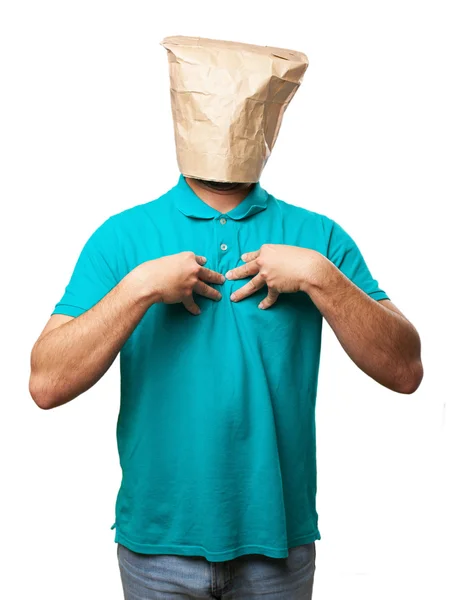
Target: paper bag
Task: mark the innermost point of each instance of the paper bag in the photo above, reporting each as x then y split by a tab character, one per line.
228	101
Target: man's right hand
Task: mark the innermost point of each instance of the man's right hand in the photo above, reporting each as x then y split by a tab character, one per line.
174	278
72	354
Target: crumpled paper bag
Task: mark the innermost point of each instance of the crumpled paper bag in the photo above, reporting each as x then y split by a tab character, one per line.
228	101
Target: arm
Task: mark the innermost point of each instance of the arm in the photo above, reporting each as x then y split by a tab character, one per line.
375	334
72	354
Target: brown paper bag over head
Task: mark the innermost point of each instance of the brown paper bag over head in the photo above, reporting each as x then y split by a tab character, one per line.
228	100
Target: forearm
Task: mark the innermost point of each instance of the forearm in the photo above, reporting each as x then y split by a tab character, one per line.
70	359
382	343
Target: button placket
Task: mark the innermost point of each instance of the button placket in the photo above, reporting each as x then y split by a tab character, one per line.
223	236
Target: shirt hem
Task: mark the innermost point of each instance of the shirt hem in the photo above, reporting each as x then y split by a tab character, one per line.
68	309
184	550
379	295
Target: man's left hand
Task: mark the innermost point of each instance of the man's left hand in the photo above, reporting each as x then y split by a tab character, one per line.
284	269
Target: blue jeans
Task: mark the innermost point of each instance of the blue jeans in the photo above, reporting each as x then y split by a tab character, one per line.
248	577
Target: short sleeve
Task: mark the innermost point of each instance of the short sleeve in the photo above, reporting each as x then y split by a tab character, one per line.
346	256
92	277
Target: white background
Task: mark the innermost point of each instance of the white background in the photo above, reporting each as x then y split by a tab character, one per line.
86	132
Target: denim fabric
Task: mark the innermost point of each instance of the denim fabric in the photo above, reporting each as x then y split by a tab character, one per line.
248	577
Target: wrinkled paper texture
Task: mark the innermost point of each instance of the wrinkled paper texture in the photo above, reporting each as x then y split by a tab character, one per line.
228	101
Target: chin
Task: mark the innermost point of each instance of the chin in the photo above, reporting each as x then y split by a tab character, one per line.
223	186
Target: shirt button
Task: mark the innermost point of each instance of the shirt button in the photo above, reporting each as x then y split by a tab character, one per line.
223	221
223	247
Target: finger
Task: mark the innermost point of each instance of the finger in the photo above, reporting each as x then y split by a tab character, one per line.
247	270
207	291
210	276
248	289
249	256
269	300
201	259
191	306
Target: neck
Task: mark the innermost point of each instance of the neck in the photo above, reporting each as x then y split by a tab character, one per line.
222	200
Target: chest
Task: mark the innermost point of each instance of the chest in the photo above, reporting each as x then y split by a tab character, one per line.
292	324
222	240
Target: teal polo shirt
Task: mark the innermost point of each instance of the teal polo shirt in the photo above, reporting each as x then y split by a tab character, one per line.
216	429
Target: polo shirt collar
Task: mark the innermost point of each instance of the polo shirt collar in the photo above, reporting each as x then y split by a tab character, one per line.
191	205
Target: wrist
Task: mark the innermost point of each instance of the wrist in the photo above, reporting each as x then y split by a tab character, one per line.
318	273
141	285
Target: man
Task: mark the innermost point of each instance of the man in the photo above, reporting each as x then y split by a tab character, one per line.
214	296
